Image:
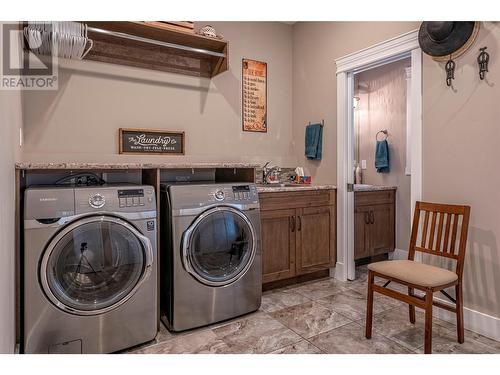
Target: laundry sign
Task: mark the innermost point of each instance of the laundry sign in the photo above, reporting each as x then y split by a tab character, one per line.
142	141
254	95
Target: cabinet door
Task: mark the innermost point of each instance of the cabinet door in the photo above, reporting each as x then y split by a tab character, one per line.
361	232
278	244
382	229
315	237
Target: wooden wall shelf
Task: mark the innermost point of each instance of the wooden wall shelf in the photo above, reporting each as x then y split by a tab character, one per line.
113	49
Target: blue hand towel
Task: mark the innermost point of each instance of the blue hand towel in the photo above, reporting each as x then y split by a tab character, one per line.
382	157
314	140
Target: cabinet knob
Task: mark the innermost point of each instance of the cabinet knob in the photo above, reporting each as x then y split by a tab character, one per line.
292	223
372	217
299	223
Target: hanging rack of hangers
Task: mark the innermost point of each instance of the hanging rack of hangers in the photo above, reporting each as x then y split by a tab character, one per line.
58	38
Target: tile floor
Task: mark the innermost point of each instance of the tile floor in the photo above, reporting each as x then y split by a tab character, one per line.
323	316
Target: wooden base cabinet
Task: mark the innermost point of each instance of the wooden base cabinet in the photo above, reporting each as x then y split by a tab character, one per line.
278	244
298	233
374	223
362	231
315	231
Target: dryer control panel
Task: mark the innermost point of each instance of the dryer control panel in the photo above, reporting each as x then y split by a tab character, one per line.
243	192
233	194
198	196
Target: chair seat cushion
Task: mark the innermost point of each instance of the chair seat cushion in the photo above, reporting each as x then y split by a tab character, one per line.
414	272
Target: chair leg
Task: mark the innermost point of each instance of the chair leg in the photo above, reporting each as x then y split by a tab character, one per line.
369	306
428	323
460	313
411	307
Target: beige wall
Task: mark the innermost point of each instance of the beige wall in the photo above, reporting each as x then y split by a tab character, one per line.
460	159
10	118
316	45
10	122
382	105
80	121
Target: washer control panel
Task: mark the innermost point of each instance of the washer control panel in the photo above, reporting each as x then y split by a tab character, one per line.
131	197
118	198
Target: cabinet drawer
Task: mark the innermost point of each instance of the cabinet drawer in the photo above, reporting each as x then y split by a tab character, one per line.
364	198
296	199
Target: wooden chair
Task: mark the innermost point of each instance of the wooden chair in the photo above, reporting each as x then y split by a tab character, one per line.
444	221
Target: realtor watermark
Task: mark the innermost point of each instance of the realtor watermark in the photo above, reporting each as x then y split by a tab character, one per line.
29	58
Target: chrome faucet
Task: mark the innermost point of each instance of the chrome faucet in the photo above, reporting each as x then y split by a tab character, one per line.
266	172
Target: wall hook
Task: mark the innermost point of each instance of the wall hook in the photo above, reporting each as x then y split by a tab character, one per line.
450	71
482	60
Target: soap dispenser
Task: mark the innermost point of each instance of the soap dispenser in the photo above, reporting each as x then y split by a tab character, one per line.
357	175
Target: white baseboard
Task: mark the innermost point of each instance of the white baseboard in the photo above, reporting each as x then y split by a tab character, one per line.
398	254
332	272
474	321
338	271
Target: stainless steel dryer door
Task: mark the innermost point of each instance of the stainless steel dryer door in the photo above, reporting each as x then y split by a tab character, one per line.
95	264
219	247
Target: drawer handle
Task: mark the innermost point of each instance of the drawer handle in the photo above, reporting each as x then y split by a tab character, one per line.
372	217
299	223
367	218
292	223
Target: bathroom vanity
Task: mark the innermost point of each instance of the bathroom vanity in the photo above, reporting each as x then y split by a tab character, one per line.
374	220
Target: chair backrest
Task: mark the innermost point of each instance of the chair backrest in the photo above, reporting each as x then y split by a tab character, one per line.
439	233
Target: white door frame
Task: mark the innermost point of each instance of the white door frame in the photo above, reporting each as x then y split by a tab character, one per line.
403	46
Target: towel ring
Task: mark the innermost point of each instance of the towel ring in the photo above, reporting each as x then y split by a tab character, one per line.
385	132
322	124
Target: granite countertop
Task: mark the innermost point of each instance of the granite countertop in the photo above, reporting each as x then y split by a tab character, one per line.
277	188
181	165
365	187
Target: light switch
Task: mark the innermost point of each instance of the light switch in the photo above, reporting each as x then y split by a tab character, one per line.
363	164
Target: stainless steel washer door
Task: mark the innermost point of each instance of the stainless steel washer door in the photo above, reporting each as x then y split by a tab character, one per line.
219	247
95	264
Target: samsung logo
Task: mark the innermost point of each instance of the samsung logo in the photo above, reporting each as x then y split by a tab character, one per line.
48	199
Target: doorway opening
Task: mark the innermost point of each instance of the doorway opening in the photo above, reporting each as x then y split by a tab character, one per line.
381	161
364	81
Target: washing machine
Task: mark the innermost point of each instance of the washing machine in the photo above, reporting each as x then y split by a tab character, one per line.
210	253
90	279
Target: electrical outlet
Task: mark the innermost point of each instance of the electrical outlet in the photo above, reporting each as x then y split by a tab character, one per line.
363	164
